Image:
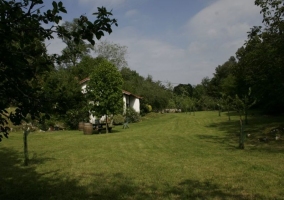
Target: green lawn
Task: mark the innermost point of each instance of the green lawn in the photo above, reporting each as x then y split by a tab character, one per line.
166	156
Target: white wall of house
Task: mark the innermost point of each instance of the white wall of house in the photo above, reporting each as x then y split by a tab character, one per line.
129	100
132	102
135	104
84	88
125	99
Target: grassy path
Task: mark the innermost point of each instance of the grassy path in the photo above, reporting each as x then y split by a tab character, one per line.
171	156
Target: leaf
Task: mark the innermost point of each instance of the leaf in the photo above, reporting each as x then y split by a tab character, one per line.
54	4
62	9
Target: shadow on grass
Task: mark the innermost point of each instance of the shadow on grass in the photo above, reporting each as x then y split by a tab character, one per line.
18	182
258	127
229	141
194	189
103	131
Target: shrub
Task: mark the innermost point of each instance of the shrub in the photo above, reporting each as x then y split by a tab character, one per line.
145	108
132	115
149	108
74	116
43	126
118	119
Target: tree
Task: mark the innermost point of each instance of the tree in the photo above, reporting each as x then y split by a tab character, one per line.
242	105
24	59
74	51
27	128
132	81
105	90
85	67
183	90
227	101
65	95
114	53
261	62
223	79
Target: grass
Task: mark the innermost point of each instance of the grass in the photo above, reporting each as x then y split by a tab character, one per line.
166	156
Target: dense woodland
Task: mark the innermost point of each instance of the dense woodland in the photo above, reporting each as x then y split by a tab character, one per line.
48	85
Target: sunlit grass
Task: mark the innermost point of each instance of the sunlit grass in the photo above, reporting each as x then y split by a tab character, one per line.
166	156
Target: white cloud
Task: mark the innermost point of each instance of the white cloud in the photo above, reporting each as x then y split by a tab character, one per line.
212	36
216	32
224	18
208	40
148	56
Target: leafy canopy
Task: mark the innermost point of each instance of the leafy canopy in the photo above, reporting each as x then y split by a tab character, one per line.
23	62
105	89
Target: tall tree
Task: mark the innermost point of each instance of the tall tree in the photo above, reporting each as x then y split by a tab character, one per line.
85	67
261	60
74	51
114	53
223	78
64	92
105	90
24	59
183	90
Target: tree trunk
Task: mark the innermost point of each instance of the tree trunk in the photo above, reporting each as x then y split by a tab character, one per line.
106	124
229	117
242	136
26	154
246	116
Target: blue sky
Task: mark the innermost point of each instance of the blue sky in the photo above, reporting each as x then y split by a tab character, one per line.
176	41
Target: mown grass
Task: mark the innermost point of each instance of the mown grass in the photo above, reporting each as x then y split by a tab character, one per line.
166	156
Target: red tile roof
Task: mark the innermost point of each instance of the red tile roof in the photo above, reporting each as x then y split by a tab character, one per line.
84	80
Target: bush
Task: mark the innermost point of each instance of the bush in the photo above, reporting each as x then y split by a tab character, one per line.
149	107
118	119
132	115
74	116
145	108
43	126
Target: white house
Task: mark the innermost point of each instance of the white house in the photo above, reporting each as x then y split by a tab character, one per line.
129	100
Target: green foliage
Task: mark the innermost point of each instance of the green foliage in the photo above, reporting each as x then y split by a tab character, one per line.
242	105
154	93
76	115
183	90
85	67
261	60
74	50
63	90
43	127
24	61
118	119
149	108
132	116
259	65
105	89
114	53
